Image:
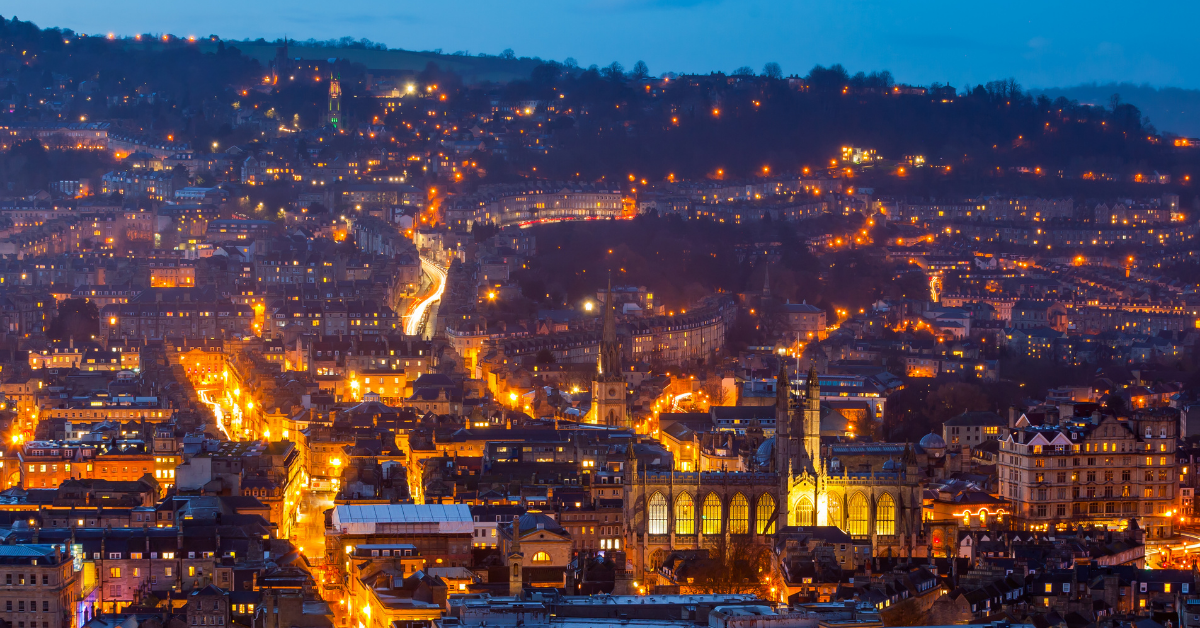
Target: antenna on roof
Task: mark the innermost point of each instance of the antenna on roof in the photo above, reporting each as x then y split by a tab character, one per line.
797	354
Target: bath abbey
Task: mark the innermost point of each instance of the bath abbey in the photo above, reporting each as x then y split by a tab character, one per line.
869	490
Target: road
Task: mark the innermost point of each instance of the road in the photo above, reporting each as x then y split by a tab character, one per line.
1175	555
218	412
414	320
675	403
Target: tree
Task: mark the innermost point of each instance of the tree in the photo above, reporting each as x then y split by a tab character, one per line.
714	389
745	70
833	78
1115	405
77	319
640	71
733	566
772	70
614	71
953	399
508	54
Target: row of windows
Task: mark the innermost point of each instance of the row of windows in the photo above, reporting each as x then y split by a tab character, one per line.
1040	463
858	521
1094	508
33	468
1091	491
1091	476
20	578
153	556
685	514
32	606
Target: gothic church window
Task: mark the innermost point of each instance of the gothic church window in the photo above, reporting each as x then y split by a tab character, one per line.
658	514
685	514
711	515
739	515
858	514
885	515
806	512
833	510
764	514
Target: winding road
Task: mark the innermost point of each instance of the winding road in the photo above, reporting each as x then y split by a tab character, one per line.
414	320
218	412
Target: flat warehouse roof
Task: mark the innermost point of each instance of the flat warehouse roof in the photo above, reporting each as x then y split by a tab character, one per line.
401	513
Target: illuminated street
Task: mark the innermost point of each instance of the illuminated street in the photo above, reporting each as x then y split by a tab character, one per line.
327	333
414	320
218	412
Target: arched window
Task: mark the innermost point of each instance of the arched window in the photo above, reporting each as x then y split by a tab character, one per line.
541	557
657	514
858	515
885	515
711	515
685	514
833	510
764	514
806	512
739	515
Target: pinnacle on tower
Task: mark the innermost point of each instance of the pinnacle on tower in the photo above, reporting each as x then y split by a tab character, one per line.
781	387
610	323
608	364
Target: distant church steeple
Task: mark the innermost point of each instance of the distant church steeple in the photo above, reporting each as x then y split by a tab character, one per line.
608	362
608	388
334	117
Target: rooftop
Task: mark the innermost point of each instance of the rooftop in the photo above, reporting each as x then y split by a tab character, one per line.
401	513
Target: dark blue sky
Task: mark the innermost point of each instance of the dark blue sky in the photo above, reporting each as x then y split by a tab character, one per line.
1043	43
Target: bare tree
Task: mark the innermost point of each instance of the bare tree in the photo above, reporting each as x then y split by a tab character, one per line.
734	565
714	390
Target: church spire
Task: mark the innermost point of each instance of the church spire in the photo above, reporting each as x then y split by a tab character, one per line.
813	388
610	322
609	361
781	387
766	289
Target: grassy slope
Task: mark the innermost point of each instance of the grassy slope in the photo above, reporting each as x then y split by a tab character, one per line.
472	69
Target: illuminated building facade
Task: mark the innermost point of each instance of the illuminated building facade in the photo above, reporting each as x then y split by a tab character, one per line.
1097	471
608	387
868	490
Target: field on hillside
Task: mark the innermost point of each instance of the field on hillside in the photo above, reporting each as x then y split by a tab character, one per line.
471	69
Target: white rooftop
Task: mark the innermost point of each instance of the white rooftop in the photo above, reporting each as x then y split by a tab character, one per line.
403	518
401	513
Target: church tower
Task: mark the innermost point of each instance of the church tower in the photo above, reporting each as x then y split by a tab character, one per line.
812	420
786	448
608	389
334	117
516	580
783	422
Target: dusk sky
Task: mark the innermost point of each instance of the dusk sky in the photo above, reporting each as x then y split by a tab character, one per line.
1042	44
